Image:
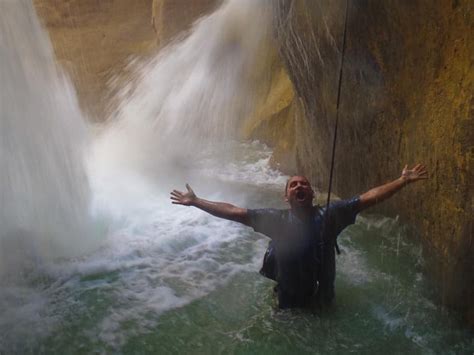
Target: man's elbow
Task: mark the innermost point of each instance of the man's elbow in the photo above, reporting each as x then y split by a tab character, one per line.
367	201
241	215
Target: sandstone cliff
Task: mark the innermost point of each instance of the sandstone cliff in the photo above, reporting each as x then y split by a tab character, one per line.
95	40
173	18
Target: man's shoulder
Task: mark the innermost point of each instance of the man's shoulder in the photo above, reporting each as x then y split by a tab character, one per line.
342	213
351	203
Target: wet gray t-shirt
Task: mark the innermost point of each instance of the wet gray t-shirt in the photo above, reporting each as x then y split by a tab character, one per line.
303	258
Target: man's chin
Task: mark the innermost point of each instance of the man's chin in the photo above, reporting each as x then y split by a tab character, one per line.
302	203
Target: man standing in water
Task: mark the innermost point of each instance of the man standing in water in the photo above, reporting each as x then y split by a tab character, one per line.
301	256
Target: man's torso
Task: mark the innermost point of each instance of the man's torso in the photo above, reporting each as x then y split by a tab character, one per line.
303	258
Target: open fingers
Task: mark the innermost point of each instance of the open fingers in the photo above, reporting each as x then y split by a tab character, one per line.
423	174
176	200
420	169
176	197
176	193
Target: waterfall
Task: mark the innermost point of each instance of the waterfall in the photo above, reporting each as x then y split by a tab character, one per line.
191	97
44	192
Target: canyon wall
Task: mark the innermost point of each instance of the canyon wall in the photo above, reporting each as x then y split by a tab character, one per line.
173	19
94	41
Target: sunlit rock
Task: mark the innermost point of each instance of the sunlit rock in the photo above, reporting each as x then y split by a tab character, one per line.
95	41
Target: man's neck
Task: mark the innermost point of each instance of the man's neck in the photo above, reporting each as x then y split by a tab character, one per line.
303	212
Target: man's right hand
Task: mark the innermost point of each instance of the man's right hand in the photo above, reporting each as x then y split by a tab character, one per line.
183	198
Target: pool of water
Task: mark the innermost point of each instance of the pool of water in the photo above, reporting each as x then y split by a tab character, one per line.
172	279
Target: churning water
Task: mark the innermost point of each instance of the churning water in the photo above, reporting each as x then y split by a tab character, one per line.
172	279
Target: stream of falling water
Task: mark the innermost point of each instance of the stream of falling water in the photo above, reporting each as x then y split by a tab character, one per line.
171	279
44	192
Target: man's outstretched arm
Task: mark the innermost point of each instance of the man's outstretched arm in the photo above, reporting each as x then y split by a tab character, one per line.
381	193
218	209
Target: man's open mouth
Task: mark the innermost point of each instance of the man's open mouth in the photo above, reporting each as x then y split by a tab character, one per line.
300	195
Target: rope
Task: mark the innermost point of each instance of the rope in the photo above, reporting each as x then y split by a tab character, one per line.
337	122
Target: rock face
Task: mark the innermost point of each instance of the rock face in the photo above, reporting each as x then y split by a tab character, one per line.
95	40
276	117
407	96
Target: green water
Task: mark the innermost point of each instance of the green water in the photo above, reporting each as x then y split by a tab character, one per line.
174	280
383	306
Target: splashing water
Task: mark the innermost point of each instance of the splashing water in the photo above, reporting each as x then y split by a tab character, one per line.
192	96
44	193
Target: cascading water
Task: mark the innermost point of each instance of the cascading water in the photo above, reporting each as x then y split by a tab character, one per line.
171	279
44	192
192	96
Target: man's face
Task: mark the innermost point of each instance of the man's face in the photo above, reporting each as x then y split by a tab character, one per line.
299	192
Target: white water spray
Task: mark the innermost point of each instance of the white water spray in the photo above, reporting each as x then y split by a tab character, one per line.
192	96
44	192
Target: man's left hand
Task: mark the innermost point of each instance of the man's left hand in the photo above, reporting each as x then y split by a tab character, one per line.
418	172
